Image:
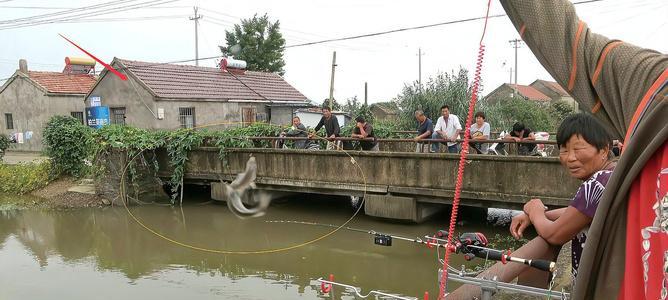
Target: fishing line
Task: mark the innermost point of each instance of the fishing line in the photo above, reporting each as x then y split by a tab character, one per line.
153	231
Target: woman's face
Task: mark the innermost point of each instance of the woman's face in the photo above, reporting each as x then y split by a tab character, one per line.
479	120
582	159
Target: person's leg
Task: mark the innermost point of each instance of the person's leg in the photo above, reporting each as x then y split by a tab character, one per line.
453	149
537	248
375	148
435	147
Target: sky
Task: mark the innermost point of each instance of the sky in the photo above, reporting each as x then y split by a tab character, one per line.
164	33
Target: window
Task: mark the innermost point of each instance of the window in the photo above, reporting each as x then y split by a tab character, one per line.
78	115
118	115
9	120
187	117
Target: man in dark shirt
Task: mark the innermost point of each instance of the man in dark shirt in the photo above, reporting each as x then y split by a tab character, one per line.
425	128
331	126
364	130
521	133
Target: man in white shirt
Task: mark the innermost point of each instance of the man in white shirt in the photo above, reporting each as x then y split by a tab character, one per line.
447	128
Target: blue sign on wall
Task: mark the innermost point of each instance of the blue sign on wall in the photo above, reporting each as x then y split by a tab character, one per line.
97	116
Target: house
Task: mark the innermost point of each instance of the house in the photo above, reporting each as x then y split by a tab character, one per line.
541	91
555	92
385	111
29	98
506	91
311	116
170	96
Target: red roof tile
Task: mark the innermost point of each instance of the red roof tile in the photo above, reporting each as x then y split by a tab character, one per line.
554	87
59	83
530	92
191	82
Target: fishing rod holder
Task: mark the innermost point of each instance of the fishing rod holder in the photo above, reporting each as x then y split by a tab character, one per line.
491	286
326	287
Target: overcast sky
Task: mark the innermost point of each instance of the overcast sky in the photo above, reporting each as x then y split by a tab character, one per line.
386	62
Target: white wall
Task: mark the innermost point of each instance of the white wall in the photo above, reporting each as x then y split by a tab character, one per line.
310	119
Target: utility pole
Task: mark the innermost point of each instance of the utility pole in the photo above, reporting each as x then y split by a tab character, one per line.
196	19
420	67
510	80
365	93
516	44
331	84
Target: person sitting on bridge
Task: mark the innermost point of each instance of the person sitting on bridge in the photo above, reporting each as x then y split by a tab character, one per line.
585	151
519	134
364	130
331	124
425	128
480	131
297	130
447	128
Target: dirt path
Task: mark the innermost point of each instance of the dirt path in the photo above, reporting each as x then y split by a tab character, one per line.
56	195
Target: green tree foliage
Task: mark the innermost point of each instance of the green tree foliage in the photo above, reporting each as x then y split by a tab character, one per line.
4	144
68	143
445	88
355	109
560	110
505	112
261	44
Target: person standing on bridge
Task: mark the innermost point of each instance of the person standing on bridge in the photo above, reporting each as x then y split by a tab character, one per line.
448	128
331	127
425	128
626	88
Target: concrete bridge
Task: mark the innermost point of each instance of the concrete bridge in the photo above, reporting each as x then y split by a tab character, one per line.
408	186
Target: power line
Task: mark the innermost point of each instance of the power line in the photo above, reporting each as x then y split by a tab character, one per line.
409	28
84	15
84	8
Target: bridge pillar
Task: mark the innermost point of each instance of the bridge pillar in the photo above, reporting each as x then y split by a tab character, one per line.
400	208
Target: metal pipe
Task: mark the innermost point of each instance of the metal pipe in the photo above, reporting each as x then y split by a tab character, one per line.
397	140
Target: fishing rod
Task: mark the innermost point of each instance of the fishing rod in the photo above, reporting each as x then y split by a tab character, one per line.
470	244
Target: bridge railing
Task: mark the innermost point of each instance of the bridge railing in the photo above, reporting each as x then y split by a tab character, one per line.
408	144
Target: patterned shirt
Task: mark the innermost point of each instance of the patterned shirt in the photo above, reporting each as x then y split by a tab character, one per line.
586	202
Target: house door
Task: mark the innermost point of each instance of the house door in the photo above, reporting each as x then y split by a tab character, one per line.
248	115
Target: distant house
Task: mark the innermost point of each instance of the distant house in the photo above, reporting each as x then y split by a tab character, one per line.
29	98
539	91
555	92
385	111
311	116
169	96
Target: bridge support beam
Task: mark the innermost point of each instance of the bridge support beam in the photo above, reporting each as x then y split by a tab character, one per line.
399	208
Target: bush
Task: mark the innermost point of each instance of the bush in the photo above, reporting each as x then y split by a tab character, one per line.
68	143
504	113
4	144
24	178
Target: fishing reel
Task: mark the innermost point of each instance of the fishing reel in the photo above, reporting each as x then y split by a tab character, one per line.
469	243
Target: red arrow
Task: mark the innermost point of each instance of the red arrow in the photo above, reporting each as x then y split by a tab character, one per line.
110	68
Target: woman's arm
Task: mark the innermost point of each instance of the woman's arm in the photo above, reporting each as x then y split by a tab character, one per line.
559	231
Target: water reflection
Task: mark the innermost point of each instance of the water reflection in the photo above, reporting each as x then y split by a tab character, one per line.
103	253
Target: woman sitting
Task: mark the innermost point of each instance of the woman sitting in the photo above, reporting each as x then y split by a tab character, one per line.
585	151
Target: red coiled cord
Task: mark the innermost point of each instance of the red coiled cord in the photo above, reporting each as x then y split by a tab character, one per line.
462	157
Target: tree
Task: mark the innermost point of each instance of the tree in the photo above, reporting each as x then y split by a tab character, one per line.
260	44
446	88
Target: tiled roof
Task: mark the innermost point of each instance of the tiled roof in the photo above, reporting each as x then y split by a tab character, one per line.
191	82
59	83
530	92
554	87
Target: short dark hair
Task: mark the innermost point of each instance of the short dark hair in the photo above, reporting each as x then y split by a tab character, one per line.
360	119
587	127
518	126
325	107
445	106
480	114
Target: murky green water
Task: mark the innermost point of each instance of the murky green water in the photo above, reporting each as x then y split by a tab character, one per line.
104	254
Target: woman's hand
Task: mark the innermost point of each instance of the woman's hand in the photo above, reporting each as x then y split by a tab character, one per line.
534	206
519	223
